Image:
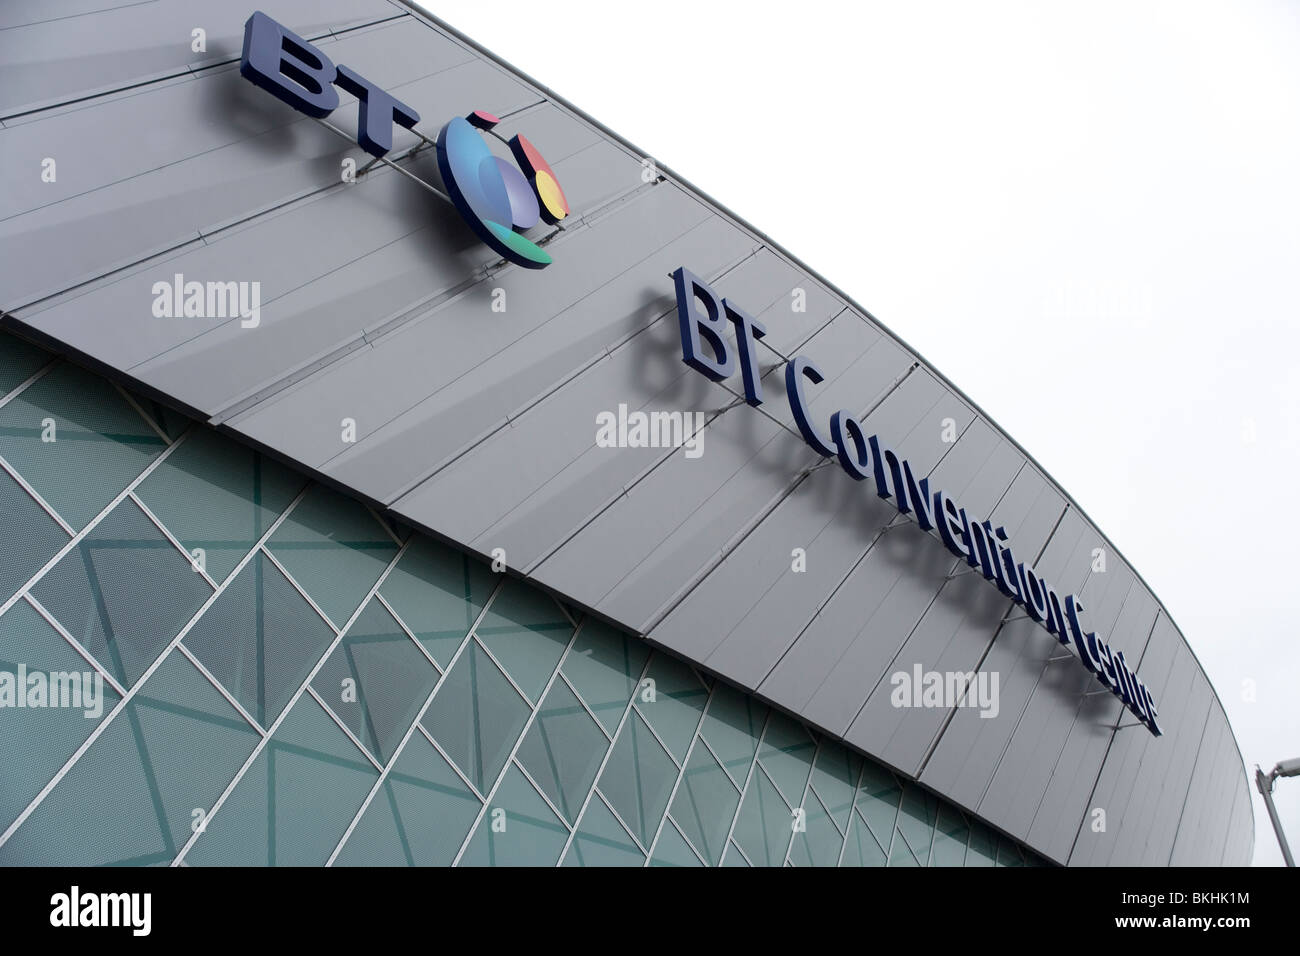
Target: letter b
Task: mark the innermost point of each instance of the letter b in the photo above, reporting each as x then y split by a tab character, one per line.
709	327
288	67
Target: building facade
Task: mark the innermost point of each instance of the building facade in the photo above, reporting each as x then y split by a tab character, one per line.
340	532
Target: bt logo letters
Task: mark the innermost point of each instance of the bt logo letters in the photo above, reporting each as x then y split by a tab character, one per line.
498	200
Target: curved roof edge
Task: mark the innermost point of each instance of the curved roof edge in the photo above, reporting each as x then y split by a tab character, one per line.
794	260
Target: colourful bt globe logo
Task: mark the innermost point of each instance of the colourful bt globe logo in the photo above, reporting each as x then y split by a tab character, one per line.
499	200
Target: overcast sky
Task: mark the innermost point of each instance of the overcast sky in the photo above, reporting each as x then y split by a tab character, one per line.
1087	216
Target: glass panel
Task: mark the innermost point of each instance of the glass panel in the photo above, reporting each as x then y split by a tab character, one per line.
638	779
820	842
132	797
916	821
527	632
983	847
835	779
604	666
77	441
35	741
705	804
420	816
763	828
679	699
476	717
214	494
733	727
19	362
900	854
672	850
861	848
376	680
123	592
335	549
601	840
878	798
563	750
733	857
1008	854
31	537
260	639
296	801
787	754
518	828
438	593
950	838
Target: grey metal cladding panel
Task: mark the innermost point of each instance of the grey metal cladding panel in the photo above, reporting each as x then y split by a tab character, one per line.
946	625
1144	778
1049	702
1065	800
582	479
345	224
572	510
636	565
21	13
1163	788
1240	845
963	759
825	515
436	254
800	615
457	373
908	417
228	150
1206	814
89	51
952	635
1058	736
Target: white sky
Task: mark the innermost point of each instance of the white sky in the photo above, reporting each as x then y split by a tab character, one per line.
1088	217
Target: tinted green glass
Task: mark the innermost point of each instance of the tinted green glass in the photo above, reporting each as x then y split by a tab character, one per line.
764	826
438	593
219	496
819	843
36	741
602	841
678	702
604	667
835	780
376	681
705	804
527	632
860	847
31	537
296	801
123	592
142	777
420	816
563	749
77	441
260	639
638	778
787	755
518	829
335	549
733	727
673	850
19	361
878	798
476	717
